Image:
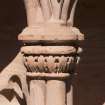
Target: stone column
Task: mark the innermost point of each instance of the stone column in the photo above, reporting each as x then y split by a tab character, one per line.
49	65
51	50
56	92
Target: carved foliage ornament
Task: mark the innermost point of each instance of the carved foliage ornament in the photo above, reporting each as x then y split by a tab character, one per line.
50	10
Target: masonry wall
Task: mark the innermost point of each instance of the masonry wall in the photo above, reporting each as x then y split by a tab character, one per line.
89	84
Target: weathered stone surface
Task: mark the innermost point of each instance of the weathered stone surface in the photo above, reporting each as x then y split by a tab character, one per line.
37	92
61	76
56	92
53	11
90	19
49	64
12	79
39	73
49	32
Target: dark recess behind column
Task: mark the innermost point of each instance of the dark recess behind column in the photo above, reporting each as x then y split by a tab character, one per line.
89	84
12	21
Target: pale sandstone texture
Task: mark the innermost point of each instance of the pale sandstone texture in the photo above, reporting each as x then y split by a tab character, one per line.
42	72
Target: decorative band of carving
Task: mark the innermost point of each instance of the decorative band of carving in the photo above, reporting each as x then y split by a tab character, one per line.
49	64
41	57
49	75
50	33
53	50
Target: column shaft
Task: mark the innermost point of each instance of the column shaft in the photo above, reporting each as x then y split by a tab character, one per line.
70	96
56	92
37	92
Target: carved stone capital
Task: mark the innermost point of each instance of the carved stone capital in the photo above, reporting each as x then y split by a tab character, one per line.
50	50
49	64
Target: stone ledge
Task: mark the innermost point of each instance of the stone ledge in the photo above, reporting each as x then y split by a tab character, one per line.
50	33
48	50
49	75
